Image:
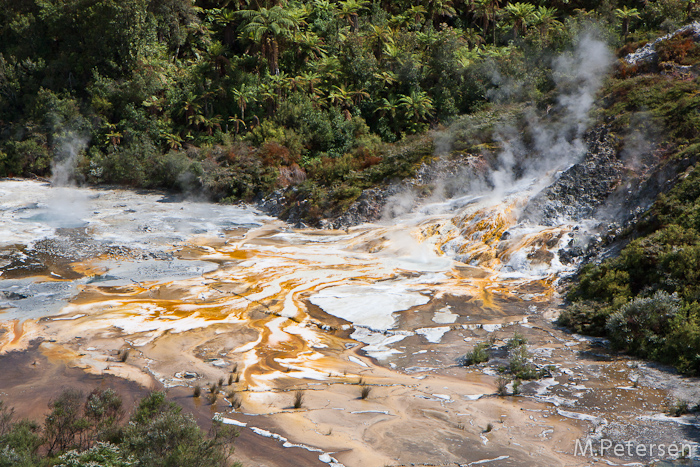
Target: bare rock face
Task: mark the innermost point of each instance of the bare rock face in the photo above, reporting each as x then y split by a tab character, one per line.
582	188
367	208
444	173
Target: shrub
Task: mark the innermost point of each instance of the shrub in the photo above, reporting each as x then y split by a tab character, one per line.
516	387
479	354
102	454
234	399
586	317
601	283
65	424
159	434
502	386
103	409
24	158
516	341
677	408
175	170
640	326
681	49
520	366
19	447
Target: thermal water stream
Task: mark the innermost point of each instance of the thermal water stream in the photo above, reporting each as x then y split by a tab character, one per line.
195	290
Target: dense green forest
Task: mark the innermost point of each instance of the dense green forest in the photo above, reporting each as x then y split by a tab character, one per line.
92	430
235	99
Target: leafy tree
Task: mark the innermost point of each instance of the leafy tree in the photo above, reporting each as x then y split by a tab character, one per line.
487	10
226	18
103	409
641	325
546	19
65	427
350	9
268	27
417	105
626	14
521	15
437	8
243	95
378	36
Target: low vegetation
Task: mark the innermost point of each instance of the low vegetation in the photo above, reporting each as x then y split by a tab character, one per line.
365	390
93	430
298	399
646	299
502	386
520	366
479	354
678	407
518	340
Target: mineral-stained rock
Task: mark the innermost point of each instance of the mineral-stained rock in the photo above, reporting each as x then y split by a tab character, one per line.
582	188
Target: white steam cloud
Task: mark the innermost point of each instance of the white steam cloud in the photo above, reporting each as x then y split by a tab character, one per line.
68	148
557	140
527	161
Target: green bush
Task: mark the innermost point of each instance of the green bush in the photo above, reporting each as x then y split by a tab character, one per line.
586	317
102	454
24	158
521	368
516	341
161	435
479	354
641	325
87	432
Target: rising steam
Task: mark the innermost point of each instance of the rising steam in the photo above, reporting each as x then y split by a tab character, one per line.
557	138
554	141
69	146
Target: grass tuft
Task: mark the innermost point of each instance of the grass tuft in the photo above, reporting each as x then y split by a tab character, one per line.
298	398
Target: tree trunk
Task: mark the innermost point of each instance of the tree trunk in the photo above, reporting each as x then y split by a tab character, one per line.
274	58
229	34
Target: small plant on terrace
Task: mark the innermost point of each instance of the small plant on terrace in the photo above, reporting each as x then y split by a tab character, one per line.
502	385
364	391
479	354
298	398
517	340
234	399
